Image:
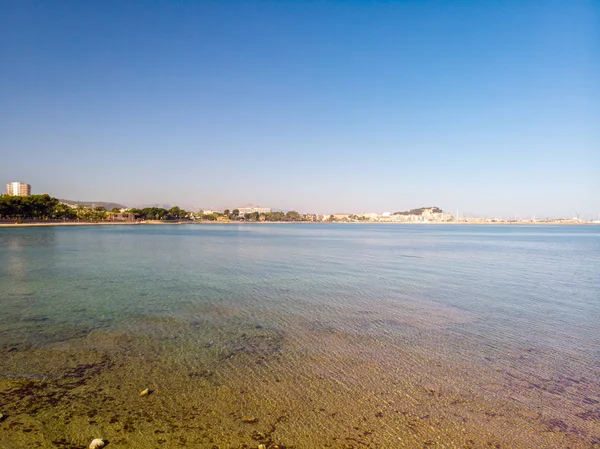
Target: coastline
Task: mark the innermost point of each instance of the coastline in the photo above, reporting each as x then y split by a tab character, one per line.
209	222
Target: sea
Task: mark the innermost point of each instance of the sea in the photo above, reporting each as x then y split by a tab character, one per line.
300	336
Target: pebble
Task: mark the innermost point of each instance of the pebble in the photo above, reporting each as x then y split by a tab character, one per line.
146	392
1	417
96	443
251	420
432	390
262	446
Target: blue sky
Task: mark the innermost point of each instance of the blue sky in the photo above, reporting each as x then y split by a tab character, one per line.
492	108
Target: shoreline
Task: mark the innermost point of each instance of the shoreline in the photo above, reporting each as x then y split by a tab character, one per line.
208	222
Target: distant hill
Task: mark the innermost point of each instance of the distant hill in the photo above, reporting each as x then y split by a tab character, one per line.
420	210
142	206
106	205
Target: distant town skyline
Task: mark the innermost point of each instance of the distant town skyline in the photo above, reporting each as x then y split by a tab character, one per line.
323	107
21	189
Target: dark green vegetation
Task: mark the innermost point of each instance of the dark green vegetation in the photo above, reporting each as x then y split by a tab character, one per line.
45	207
39	207
291	215
235	215
159	213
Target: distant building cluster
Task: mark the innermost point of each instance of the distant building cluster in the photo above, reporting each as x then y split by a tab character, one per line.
18	189
430	214
423	215
241	210
251	210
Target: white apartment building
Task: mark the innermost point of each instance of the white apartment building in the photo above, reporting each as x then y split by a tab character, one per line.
18	189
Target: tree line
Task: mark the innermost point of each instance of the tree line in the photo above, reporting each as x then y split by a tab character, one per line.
291	215
34	207
159	213
45	207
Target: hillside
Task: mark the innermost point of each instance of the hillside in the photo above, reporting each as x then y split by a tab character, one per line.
106	205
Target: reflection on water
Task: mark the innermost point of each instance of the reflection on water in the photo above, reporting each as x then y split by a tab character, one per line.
302	335
20	250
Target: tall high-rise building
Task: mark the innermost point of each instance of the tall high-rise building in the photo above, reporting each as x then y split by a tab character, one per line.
18	189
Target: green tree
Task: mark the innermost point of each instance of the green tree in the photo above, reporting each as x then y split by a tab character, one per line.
99	213
154	213
137	213
64	212
92	213
292	215
175	213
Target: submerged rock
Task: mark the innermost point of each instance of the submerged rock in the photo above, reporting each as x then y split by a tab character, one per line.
96	443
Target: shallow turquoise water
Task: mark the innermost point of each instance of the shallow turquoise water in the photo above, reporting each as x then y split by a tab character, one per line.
525	299
536	285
